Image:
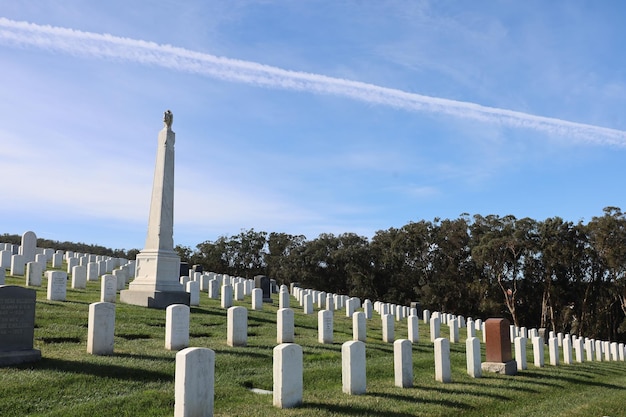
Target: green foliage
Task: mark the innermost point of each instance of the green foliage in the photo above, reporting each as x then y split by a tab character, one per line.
554	274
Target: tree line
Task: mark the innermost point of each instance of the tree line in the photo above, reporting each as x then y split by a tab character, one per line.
556	274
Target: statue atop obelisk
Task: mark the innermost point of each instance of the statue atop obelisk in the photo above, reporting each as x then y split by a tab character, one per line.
156	281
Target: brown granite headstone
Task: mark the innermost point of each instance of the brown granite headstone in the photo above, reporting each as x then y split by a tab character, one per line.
498	347
17	325
498	340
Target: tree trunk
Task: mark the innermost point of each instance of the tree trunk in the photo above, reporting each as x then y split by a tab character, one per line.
509	300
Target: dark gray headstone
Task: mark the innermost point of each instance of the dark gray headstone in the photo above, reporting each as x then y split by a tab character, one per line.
263	282
273	286
184	269
17	325
418	306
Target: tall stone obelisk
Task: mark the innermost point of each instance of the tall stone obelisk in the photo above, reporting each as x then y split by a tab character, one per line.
156	281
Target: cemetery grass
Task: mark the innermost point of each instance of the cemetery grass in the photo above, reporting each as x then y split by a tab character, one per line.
138	379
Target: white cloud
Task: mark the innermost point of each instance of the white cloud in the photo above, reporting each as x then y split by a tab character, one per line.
105	46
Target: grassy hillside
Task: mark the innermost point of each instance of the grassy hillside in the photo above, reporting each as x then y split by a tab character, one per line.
138	380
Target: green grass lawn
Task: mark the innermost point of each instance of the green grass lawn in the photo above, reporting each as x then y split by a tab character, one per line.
138	380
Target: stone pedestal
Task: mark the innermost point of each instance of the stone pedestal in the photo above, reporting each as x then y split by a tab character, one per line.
156	284
506	368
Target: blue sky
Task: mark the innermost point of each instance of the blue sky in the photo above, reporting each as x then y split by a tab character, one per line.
307	117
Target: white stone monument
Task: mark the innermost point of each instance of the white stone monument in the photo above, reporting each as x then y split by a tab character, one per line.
288	383
359	330
403	363
598	350
325	326
257	299
227	296
589	350
283	298
214	289
435	325
413	329
454	330
79	277
567	351
193	289
307	304
194	382
442	360
92	271
520	353
284	326
57	260
108	288
101	328
57	285
239	291
353	376
472	355
176	326
237	326
330	302
5	259
34	274
17	265
553	349
388	328
156	283
29	246
538	351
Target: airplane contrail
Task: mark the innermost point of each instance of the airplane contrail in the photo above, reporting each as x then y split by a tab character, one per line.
104	46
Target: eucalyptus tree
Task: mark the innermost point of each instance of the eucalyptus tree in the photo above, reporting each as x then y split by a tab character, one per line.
450	283
564	265
320	268
247	252
389	265
499	248
213	255
607	236
401	261
284	256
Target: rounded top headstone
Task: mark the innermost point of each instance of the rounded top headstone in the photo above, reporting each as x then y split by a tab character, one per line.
29	246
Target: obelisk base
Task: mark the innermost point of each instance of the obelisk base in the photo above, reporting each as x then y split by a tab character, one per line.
157	282
154	299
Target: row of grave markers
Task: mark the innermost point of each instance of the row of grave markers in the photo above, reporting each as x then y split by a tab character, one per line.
111	283
288	355
287	390
82	267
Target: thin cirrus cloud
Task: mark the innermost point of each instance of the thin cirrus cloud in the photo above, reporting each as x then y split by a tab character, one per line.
104	46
